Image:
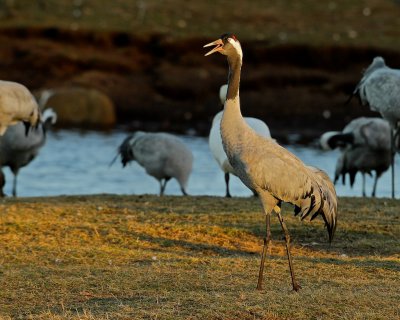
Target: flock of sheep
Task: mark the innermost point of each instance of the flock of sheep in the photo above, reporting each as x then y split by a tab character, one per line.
365	143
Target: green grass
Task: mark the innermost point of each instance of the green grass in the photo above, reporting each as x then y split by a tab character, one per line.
341	22
145	257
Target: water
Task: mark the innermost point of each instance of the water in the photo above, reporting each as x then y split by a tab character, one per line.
73	163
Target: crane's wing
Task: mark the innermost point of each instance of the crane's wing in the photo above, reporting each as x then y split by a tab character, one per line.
376	134
276	170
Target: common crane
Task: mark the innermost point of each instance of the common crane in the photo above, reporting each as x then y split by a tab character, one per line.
18	149
264	166
162	155
379	89
365	147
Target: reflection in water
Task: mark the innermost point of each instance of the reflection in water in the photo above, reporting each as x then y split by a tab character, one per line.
78	163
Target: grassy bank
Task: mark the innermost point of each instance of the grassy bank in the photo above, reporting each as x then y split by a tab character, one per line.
145	257
366	23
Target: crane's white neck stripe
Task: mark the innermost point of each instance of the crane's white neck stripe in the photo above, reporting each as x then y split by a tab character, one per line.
236	45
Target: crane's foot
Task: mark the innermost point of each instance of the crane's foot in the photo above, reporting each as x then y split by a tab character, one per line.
296	287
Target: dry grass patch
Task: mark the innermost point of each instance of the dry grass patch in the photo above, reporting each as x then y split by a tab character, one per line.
366	23
145	257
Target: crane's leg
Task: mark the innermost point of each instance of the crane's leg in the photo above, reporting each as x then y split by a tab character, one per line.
184	191
227	194
14	189
267	242
2	183
377	175
163	184
296	286
162	187
363	184
394	135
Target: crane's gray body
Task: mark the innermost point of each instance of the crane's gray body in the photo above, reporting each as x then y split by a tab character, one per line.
215	140
365	145
379	88
162	155
18	149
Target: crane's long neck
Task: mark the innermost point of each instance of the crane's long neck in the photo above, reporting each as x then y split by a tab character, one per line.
232	104
235	66
233	126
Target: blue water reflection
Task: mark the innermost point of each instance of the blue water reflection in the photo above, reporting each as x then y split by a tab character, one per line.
73	162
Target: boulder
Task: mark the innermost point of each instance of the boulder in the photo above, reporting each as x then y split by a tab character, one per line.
80	107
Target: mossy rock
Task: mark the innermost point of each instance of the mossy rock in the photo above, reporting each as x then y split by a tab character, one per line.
82	108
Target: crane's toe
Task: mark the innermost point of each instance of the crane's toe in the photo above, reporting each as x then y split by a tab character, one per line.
296	287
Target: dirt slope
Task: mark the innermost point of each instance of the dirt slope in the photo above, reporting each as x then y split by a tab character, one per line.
163	83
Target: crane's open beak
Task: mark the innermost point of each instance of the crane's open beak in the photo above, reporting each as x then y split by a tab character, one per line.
218	46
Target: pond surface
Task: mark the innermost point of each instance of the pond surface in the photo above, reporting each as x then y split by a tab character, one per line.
73	163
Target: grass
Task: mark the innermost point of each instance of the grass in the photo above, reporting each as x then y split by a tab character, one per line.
145	257
341	22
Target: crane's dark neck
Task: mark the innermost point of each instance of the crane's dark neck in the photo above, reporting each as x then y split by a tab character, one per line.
235	66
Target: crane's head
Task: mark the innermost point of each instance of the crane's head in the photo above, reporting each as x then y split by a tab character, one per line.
377	63
227	44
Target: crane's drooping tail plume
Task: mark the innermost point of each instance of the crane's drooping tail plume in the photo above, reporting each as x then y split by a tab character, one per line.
323	201
125	151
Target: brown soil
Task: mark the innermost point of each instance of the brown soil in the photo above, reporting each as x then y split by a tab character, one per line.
160	83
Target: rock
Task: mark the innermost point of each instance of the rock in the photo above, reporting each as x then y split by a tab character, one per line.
80	107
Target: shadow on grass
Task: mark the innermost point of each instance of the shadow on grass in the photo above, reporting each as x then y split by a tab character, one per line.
362	263
346	241
194	247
